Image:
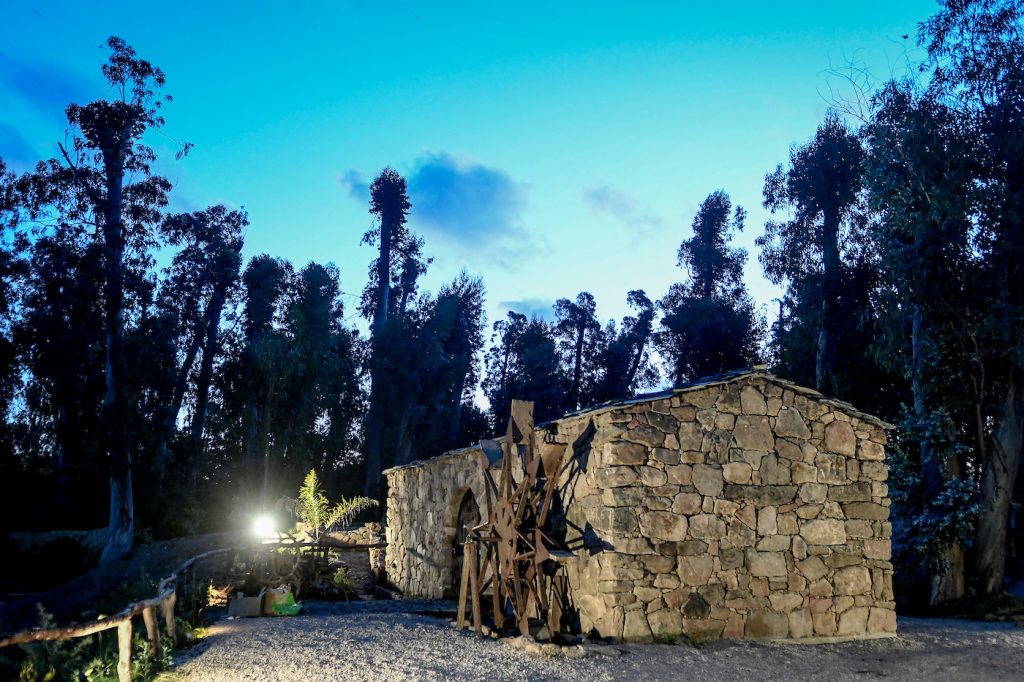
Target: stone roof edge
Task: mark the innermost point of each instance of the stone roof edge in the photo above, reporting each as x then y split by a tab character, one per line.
759	371
451	454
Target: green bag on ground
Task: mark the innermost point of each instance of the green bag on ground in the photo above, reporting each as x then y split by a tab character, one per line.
287	606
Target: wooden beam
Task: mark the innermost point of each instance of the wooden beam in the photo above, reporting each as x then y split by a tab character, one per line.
152	632
124	650
463	587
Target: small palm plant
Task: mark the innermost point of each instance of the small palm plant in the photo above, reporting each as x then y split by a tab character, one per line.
316	511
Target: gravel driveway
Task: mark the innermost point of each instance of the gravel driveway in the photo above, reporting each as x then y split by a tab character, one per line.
390	641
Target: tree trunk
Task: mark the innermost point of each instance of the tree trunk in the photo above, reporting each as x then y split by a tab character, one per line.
998	478
206	369
634	364
577	369
456	422
825	355
177	399
375	417
115	414
950	584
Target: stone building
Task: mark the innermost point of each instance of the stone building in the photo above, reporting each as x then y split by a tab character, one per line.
741	505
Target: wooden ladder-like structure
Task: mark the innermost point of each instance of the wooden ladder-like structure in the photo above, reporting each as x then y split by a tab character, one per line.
520	561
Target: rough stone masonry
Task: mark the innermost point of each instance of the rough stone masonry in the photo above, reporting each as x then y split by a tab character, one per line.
738	506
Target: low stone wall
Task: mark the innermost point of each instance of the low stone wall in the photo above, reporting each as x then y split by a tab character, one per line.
747	509
422	506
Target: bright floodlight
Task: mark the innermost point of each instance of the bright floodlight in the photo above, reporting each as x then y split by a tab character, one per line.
263	527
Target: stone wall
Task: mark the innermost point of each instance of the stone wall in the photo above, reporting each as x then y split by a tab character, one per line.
422	506
748	509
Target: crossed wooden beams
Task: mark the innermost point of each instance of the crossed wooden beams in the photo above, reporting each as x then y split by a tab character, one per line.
520	560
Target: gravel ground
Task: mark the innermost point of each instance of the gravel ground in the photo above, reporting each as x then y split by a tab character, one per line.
390	641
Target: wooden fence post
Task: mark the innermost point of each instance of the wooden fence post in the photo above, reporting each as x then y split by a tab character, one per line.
124	650
167	606
152	632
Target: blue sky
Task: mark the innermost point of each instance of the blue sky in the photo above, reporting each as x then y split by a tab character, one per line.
550	149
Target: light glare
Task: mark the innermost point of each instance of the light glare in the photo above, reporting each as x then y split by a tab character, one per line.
263	527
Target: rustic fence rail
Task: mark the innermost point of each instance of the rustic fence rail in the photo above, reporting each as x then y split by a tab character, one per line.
164	602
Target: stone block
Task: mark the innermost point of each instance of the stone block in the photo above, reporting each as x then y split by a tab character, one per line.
700	630
866	510
812	568
751	401
881	620
773	472
870	450
696	607
647	435
663	422
766	564
624	453
616	520
652	477
852	580
729	400
761	495
878	549
636	628
679	474
686	503
767	523
737	472
788	450
824	624
789	424
852	492
622	497
695	570
853	621
665	455
874	471
831	468
707	527
840	438
823	532
763	624
666	623
707	478
615	477
800	623
785	601
690	436
663	525
753	433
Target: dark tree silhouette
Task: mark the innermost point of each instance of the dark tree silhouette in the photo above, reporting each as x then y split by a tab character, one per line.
710	324
821	190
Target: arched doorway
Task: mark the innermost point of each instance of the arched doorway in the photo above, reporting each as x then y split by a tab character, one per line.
467	517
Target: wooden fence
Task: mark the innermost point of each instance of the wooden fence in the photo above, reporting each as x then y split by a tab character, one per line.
160	606
164	601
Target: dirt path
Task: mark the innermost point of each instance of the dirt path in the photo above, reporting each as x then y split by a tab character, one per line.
390	641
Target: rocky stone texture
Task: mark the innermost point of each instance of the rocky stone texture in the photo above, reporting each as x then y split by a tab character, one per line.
422	509
750	508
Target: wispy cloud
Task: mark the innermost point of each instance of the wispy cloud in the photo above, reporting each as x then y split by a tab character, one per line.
622	206
531	307
469	207
355	186
46	86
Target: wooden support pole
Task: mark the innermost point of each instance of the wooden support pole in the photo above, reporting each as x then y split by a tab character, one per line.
463	586
152	632
474	587
168	610
124	650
